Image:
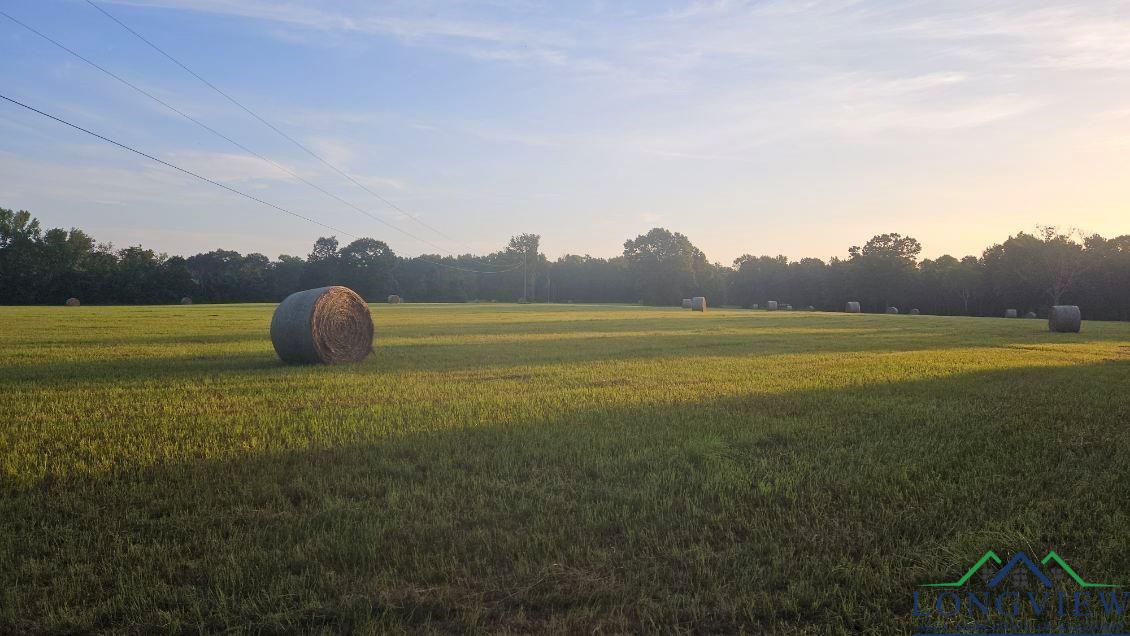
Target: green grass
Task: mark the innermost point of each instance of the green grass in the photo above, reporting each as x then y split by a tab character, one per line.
528	468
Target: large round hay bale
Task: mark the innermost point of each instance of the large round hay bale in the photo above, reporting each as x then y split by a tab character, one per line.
1030	315
698	303
186	301
686	303
327	325
1010	313
892	310
73	302
771	305
852	307
914	312
1065	319
393	299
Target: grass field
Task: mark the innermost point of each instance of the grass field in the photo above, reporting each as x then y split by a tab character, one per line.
528	468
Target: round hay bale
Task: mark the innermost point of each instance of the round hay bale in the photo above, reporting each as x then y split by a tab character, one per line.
186	301
914	312
771	305
1064	319
1010	313
327	325
852	307
1030	314
686	303
892	310
698	303
393	299
73	302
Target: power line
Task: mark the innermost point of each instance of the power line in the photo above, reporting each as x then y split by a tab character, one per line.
270	125
216	132
174	167
207	180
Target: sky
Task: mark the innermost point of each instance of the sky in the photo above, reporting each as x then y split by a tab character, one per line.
795	127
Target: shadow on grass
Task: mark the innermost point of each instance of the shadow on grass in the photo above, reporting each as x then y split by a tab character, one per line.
805	512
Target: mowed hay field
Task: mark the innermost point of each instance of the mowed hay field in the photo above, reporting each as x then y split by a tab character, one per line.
558	468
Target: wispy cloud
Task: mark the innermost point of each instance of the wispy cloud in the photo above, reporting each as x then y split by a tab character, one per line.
621	107
228	167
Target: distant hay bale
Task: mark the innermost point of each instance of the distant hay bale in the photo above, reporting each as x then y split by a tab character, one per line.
1010	313
686	303
73	302
852	307
186	301
771	305
327	325
810	308
698	303
754	306
1030	314
892	310
393	299
788	307
1064	319
914	312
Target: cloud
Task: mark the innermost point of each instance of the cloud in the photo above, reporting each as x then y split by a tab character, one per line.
335	151
228	167
622	105
477	37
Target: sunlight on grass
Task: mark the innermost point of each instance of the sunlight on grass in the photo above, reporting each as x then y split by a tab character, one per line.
531	467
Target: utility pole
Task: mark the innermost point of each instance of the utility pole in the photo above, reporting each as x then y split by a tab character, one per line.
525	264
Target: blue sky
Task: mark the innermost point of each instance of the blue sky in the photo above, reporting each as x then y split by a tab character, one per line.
795	128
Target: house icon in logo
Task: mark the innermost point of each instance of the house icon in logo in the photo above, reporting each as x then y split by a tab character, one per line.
1021	560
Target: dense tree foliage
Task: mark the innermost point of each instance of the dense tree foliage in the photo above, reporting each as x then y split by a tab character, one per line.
1027	272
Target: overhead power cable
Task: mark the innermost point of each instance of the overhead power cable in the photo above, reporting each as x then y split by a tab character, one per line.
210	181
268	124
174	167
215	132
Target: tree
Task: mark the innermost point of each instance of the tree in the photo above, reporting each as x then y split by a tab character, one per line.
1028	271
17	227
1025	272
1106	286
137	278
949	285
322	264
884	268
366	266
663	266
227	276
1062	261
525	248
21	279
286	276
758	279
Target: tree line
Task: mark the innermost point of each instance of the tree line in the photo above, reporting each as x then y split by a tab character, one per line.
1027	272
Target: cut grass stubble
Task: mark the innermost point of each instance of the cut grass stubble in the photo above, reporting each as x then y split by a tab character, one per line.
528	467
